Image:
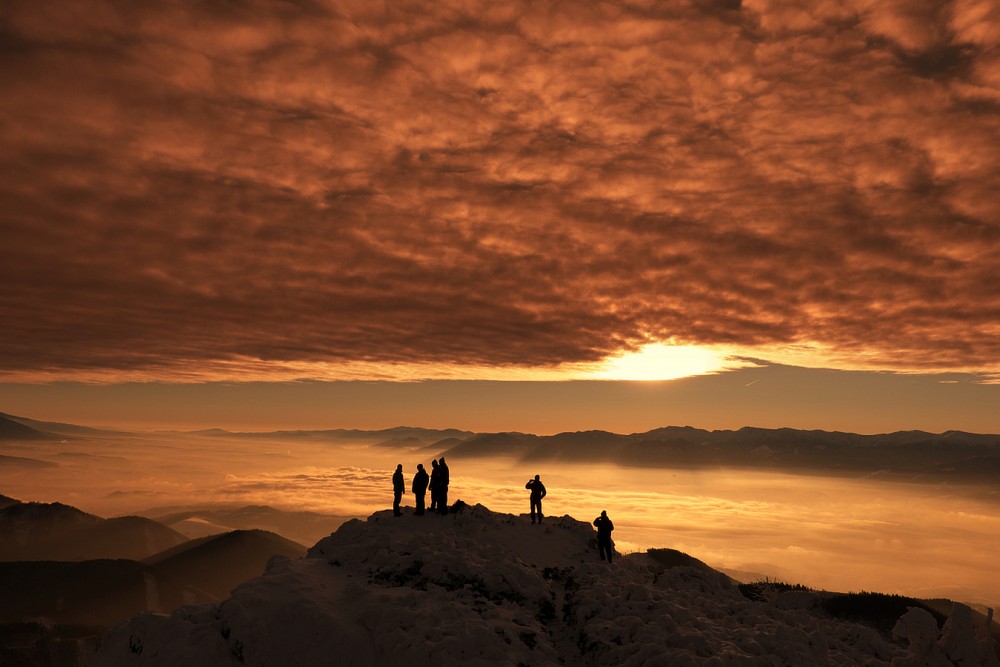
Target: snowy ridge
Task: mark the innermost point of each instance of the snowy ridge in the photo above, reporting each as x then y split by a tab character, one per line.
482	588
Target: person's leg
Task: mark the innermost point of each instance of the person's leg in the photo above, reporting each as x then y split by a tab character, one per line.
443	501
420	504
396	497
533	504
539	510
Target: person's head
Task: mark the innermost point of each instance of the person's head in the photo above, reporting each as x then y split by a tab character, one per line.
537	478
399	466
420	466
434	463
604	513
442	460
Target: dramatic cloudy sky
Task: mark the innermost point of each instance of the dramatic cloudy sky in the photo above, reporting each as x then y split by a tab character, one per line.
263	190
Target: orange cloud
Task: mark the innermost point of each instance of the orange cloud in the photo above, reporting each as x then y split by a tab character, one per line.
189	186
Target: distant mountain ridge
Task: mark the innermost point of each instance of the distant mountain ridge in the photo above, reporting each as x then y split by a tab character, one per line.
55	428
905	455
12	429
913	455
400	433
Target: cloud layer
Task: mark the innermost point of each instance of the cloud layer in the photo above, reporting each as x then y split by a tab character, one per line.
225	188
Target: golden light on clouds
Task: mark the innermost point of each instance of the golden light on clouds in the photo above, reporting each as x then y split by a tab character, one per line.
658	361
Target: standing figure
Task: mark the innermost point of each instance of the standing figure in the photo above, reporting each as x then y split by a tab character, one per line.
419	488
435	486
442	487
605	546
537	493
398	486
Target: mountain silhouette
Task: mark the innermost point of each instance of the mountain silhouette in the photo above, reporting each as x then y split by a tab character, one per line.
904	455
495	444
352	435
60	428
25	463
14	430
486	588
218	563
54	531
299	526
53	607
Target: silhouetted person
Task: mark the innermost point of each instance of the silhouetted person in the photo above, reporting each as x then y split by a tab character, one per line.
605	546
537	493
442	487
419	488
435	486
398	486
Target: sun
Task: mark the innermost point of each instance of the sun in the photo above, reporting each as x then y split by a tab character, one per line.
662	362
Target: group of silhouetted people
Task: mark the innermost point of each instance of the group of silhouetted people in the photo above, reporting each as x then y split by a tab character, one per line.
437	482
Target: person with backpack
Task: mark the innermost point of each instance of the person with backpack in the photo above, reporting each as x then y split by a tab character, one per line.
605	546
537	493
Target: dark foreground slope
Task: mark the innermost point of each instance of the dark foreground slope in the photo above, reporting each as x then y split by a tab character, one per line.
218	563
66	576
481	588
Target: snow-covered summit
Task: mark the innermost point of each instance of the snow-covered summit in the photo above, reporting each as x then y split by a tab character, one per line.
477	587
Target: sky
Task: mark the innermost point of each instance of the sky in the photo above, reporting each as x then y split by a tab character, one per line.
452	202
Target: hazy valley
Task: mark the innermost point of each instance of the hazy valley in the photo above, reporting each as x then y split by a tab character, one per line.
910	513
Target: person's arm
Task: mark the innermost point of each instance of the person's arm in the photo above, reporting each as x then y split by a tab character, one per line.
543	492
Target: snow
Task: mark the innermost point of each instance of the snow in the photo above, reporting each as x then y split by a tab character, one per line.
482	588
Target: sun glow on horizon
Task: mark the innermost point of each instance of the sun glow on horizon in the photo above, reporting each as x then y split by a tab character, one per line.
657	361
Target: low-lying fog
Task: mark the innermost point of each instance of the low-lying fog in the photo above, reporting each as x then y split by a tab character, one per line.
832	533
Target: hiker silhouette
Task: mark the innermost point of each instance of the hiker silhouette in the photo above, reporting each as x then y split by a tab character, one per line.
537	493
442	487
435	485
398	486
419	488
605	546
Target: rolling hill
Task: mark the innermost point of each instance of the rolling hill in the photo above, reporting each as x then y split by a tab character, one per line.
218	563
14	430
54	531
